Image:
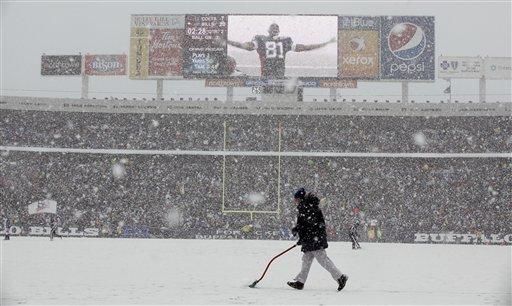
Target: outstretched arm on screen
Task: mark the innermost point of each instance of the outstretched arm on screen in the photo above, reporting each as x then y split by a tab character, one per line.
249	46
302	48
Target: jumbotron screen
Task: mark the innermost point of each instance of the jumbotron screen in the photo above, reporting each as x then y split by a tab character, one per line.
265	46
283	46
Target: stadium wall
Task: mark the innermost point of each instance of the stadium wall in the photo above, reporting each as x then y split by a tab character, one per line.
256	107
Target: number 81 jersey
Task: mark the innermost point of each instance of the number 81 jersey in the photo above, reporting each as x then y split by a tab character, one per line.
272	52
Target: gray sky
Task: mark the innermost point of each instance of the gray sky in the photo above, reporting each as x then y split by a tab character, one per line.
30	28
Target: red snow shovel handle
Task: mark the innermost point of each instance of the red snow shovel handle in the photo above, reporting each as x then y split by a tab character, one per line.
255	282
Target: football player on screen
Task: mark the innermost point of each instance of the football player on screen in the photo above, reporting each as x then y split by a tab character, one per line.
272	50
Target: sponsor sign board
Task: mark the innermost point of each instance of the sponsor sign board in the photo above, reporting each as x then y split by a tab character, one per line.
156	43
460	67
224	83
114	64
463	238
499	68
139	53
359	47
61	65
30	230
326	83
302	82
407	48
165	54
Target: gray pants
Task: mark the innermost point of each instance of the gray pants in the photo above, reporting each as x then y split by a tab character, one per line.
323	260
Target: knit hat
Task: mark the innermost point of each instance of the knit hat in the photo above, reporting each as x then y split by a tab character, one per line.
300	194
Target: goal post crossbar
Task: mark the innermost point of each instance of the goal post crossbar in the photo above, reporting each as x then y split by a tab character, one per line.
252	212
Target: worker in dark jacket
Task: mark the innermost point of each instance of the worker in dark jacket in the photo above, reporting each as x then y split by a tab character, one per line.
313	239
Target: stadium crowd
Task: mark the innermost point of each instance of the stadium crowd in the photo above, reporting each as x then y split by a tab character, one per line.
257	132
188	196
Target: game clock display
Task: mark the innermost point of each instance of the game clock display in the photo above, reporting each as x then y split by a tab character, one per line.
204	46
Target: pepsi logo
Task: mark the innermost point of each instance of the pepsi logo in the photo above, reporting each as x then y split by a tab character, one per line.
357	44
407	41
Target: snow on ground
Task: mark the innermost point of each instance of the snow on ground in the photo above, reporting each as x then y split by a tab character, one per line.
166	271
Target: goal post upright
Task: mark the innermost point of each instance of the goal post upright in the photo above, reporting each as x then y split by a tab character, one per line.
224	169
279	169
251	212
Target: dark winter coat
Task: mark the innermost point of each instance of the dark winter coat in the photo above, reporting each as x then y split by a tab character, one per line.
310	225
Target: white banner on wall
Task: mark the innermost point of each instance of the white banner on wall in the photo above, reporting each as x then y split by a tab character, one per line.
460	67
45	206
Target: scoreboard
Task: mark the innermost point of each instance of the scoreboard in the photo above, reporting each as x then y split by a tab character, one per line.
313	49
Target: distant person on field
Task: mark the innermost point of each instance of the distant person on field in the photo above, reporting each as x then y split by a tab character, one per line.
54	224
7	228
354	235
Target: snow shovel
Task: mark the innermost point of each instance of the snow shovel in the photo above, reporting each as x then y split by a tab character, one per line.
257	281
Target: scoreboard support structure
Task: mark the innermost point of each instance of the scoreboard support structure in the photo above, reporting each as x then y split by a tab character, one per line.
159	89
229	94
332	93
85	86
405	92
481	87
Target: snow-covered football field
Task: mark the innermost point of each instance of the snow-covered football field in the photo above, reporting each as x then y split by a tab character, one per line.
167	271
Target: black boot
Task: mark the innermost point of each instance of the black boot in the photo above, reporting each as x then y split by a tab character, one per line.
342	281
296	285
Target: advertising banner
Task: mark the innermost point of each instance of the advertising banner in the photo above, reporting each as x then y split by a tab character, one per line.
498	68
302	82
139	53
205	46
337	83
61	65
158	21
33	230
250	233
165	52
460	67
407	48
224	83
359	47
463	238
113	64
156	44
